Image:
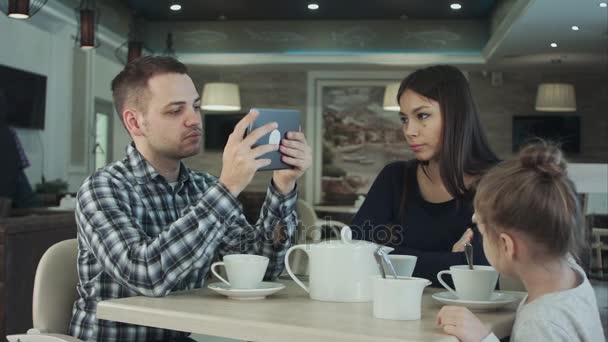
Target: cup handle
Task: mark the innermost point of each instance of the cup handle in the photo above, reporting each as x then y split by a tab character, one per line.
288	268
213	266
439	275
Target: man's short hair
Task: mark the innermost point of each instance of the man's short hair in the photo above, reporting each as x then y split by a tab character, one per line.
130	86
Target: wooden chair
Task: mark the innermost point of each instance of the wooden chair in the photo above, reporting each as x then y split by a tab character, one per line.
599	234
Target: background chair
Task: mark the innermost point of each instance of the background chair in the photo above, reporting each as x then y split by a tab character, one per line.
54	295
310	230
591	183
598	224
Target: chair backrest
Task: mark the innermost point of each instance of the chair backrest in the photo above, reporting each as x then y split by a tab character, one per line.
306	213
308	220
55	288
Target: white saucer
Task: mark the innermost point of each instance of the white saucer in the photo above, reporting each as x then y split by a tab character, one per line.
498	300
266	288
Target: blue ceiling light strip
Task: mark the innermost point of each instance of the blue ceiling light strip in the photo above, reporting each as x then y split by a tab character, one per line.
339	52
381	52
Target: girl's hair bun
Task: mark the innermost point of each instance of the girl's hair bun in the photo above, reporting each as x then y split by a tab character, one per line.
545	158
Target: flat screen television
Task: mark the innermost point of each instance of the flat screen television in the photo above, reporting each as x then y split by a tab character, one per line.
25	96
217	128
559	129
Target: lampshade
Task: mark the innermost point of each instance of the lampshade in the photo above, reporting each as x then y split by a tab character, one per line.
134	44
221	97
87	29
21	9
88	18
555	97
134	50
390	97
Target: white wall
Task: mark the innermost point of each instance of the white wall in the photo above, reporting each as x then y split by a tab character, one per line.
120	139
48	53
44	45
105	70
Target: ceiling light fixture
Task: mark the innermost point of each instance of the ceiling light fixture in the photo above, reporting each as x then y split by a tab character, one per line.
555	97
21	9
221	97
88	18
134	43
554	45
313	7
390	97
175	7
603	4
455	6
574	28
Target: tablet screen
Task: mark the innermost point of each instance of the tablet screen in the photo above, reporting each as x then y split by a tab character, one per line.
288	120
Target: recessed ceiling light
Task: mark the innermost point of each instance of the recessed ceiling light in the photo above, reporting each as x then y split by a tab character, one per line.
455	6
553	44
574	28
176	7
313	7
603	4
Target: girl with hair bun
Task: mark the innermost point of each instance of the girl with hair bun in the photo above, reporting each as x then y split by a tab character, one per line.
530	219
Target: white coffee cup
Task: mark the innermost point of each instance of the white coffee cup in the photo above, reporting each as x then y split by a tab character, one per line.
476	284
404	264
398	299
245	271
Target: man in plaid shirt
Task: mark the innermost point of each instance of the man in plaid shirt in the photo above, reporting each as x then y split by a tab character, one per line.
147	225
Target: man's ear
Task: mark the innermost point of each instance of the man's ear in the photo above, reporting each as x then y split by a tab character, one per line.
133	122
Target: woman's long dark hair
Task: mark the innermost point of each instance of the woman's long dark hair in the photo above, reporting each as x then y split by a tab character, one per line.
465	148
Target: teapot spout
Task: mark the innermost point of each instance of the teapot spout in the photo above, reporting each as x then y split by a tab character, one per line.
387	249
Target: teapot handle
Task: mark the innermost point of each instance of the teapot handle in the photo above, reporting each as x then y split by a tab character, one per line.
293	276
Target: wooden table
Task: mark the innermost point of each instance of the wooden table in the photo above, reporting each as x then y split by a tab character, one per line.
289	315
340	209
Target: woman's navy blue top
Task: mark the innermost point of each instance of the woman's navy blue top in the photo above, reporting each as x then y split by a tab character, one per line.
426	230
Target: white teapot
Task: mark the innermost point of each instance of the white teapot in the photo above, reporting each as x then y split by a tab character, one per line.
340	270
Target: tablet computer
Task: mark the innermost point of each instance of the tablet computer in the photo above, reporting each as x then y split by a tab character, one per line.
288	120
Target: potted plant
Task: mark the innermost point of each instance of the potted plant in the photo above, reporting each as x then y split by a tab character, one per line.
49	192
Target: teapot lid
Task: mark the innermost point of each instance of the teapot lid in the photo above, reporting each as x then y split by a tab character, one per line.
346	241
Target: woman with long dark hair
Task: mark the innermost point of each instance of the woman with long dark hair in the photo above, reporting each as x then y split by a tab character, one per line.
423	206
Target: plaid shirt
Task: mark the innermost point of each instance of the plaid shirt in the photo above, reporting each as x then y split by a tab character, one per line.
137	236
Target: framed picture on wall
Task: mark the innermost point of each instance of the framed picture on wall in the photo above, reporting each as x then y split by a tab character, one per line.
354	136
